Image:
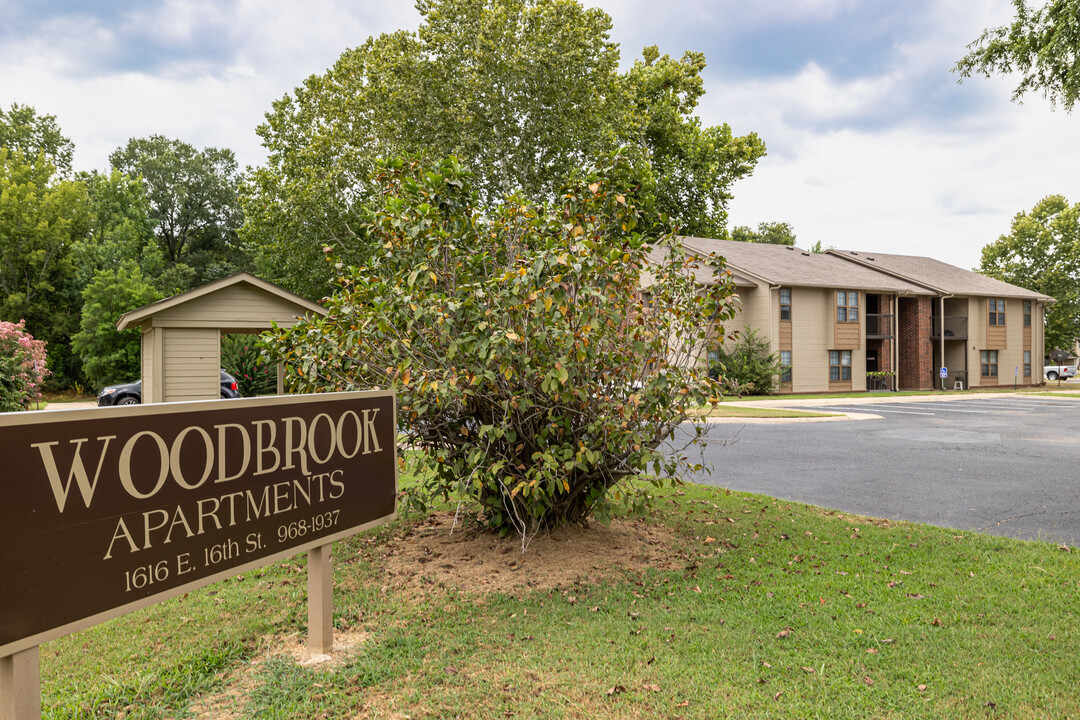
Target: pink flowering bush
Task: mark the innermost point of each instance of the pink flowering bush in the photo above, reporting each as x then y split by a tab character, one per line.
22	366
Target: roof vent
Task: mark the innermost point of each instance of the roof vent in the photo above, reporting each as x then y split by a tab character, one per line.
806	253
870	258
790	247
854	252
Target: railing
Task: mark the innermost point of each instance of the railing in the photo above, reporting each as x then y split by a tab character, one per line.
879	383
956	327
879	326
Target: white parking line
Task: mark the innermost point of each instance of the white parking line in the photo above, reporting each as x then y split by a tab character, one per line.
1006	406
947	407
872	409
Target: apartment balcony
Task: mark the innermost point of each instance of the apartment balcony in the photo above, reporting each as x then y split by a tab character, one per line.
956	327
879	327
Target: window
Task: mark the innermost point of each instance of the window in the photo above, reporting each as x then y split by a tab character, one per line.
785	303
997	311
714	357
1027	313
989	362
785	366
847	306
1027	363
839	365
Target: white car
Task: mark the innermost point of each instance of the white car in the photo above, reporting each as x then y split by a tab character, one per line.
1054	372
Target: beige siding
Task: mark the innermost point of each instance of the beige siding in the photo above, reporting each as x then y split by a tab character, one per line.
147	371
812	310
757	303
240	307
192	364
976	338
752	309
1011	355
740	314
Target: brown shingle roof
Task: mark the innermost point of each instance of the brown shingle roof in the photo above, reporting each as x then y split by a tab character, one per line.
702	273
791	266
946	278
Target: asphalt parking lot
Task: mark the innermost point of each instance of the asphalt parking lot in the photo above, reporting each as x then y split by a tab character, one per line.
1002	464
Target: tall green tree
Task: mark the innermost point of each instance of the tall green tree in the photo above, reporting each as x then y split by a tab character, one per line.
121	229
522	91
774	233
1042	45
22	129
41	217
1042	253
108	354
193	203
687	169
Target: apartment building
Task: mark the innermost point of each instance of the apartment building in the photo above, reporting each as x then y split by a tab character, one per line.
855	321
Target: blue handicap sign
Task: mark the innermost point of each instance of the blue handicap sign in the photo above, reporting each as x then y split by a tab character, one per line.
944	373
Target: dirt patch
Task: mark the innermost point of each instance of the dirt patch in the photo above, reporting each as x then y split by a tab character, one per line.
432	558
229	704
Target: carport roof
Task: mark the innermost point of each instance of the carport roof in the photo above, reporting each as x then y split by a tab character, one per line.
277	301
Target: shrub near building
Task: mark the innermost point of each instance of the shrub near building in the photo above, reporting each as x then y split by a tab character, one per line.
529	379
745	366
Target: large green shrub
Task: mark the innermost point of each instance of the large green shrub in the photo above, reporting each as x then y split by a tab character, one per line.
243	359
530	380
746	367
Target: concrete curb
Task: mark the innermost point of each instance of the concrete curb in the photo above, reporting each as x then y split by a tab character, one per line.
840	416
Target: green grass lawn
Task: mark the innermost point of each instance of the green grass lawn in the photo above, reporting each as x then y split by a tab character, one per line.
763	609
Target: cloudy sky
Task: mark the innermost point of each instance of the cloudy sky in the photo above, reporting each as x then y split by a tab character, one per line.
872	143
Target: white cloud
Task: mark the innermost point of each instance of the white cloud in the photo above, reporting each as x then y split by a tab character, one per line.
272	47
910	190
905	161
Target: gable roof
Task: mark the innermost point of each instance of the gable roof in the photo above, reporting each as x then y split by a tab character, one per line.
278	301
942	277
792	266
704	274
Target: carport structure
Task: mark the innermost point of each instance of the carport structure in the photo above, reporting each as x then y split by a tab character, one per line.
181	335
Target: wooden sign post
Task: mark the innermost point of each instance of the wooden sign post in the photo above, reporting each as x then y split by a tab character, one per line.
107	511
20	686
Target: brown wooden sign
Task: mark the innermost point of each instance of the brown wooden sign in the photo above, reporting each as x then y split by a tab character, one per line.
107	510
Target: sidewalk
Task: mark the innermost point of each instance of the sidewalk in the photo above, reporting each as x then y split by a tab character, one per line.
81	405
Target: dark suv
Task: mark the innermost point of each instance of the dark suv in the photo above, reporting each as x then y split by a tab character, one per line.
131	393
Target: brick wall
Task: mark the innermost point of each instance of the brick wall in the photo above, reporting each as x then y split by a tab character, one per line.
916	371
